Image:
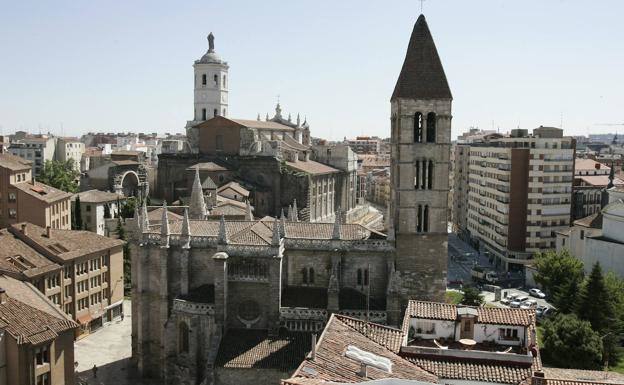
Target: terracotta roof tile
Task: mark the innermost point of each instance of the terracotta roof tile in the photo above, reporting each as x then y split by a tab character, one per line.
385	336
473	371
558	376
14	162
262	125
17	258
97	196
42	192
312	167
234	186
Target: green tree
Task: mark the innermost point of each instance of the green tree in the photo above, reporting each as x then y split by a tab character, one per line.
566	299
569	342
60	175
120	230
127	265
555	271
472	297
77	214
596	304
127	209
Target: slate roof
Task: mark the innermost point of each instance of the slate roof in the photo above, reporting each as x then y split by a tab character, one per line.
247	348
65	244
331	364
19	259
14	163
42	192
422	75
32	320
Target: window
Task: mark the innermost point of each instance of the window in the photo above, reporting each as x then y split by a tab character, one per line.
431	127
224	81
359	276
507	334
215	112
183	338
417	175
204	116
418	127
430	175
12	197
12	213
419	219
43	379
215	78
305	276
42	355
204	79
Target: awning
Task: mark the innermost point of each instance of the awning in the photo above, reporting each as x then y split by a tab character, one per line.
112	305
85	319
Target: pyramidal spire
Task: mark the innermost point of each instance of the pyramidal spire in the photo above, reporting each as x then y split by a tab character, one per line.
197	205
283	225
282	217
144	217
422	75
295	211
337	223
275	241
222	238
186	230
164	226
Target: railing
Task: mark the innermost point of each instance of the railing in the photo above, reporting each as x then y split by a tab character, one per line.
193	307
376	316
302	313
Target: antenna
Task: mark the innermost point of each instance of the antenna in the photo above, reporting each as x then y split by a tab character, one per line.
421	5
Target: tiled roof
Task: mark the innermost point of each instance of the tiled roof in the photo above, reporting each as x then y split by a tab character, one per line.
593	221
234	186
208	183
206	166
557	376
331	363
65	244
290	142
599	180
14	163
155	215
42	191
422	75
97	196
17	258
228	210
385	336
26	323
312	167
487	315
306	230
259	124
582	164
473	370
246	349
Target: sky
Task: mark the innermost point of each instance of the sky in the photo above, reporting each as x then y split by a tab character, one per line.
71	67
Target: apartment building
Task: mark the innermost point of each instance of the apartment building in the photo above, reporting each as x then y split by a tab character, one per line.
70	149
591	179
22	199
519	193
4	143
94	205
37	344
460	155
35	148
364	144
79	271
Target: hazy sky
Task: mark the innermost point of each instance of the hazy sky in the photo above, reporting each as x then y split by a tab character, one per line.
127	65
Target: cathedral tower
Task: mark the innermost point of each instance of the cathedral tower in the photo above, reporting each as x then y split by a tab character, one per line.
211	85
420	138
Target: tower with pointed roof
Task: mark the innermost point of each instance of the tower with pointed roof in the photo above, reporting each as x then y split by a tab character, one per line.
420	141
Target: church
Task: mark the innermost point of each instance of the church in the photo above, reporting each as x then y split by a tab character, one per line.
236	301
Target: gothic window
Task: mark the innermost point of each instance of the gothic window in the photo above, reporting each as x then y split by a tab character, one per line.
418	127
204	80
417	175
431	127
183	337
430	175
419	219
204	115
426	219
423	178
216	80
359	277
305	276
215	112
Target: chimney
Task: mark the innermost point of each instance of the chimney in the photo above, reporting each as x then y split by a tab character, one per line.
24	229
538	378
48	232
597	166
313	352
3	296
363	370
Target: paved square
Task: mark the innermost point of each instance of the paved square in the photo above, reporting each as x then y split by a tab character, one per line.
109	349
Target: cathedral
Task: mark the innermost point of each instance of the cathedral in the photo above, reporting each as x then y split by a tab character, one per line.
222	301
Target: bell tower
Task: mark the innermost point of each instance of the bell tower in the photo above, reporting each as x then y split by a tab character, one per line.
420	143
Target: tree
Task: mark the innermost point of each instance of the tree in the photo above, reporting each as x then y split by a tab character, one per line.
596	303
77	214
127	264
555	271
472	297
127	209
569	342
60	175
120	230
567	299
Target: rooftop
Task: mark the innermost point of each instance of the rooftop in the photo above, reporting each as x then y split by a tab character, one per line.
583	164
43	192
18	259
206	166
28	316
234	186
97	196
599	180
64	244
14	163
312	167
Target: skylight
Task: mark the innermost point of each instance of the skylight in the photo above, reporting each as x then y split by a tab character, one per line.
368	358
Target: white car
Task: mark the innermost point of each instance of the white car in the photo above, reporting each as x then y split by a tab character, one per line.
528	304
522	298
505	301
515	303
537	293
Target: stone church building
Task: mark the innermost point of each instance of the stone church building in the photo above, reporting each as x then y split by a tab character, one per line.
224	302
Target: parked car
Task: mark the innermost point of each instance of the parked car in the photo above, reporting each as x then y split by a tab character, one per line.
522	298
535	292
528	304
505	301
513	296
515	303
539	312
